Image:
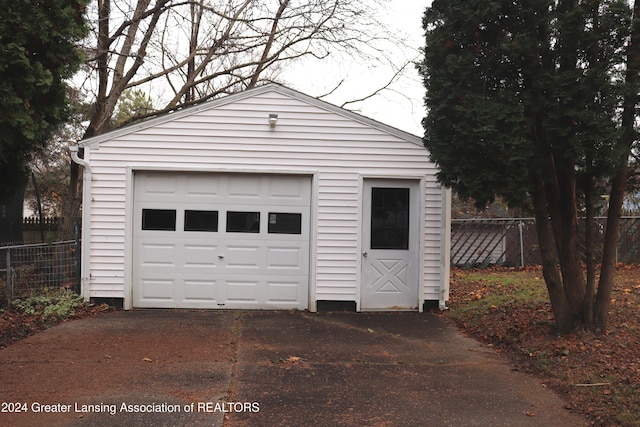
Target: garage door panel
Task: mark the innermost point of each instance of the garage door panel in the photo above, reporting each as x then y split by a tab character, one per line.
200	256
201	186
156	292
244	290
159	184
286	258
283	292
158	255
200	291
245	188
200	261
288	192
242	257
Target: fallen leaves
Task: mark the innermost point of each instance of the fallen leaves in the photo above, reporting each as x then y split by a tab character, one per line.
599	374
477	294
16	325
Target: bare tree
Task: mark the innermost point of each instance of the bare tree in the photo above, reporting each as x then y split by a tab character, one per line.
203	49
195	50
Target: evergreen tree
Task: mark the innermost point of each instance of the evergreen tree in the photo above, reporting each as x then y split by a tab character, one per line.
37	53
536	100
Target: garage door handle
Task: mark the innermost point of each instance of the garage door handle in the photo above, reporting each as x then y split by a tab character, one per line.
221	256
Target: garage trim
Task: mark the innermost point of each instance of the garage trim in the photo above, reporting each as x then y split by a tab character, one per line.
129	302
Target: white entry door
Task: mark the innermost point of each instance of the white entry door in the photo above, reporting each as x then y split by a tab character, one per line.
390	257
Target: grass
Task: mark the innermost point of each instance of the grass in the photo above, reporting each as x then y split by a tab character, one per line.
598	375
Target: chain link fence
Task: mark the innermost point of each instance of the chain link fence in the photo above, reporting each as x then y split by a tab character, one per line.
513	242
28	269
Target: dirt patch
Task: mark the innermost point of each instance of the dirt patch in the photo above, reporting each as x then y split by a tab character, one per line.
597	374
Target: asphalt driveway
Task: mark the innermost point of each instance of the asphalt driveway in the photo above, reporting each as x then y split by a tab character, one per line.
250	368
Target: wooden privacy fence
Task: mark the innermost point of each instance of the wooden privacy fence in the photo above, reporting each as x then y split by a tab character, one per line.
36	231
513	241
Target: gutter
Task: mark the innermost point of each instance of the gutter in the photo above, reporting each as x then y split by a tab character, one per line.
85	272
445	254
442	303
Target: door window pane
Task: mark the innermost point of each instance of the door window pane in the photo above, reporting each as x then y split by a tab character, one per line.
243	222
159	219
389	218
285	223
200	220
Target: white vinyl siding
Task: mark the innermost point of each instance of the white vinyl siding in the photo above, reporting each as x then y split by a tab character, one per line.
233	135
337	236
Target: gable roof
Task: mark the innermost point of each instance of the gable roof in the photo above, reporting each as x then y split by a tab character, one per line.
271	87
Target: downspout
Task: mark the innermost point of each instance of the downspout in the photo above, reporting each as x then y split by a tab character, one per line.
445	254
85	272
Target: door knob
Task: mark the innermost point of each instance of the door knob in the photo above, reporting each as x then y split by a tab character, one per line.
364	254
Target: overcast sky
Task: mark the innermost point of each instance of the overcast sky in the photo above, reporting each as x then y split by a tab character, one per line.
403	111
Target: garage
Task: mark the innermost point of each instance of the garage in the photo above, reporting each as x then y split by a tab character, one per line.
263	199
211	240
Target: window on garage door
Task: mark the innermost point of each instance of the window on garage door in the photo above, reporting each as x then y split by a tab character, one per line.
159	219
243	222
198	220
285	223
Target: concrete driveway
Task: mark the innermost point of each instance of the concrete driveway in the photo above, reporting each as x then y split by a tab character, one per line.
249	368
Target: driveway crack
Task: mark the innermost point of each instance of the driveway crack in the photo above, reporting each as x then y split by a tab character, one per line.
236	336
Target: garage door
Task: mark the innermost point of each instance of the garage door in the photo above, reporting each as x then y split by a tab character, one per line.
221	240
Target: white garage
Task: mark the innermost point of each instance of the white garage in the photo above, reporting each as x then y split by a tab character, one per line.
214	240
265	199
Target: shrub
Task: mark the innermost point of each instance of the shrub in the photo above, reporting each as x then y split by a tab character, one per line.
52	306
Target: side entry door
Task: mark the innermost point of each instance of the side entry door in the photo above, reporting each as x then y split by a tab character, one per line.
390	258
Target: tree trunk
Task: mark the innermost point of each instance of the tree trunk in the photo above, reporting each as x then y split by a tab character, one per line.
267	48
587	306
561	205
612	234
72	204
629	136
569	250
11	218
565	320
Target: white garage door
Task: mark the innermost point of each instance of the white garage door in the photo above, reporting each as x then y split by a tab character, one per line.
221	240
